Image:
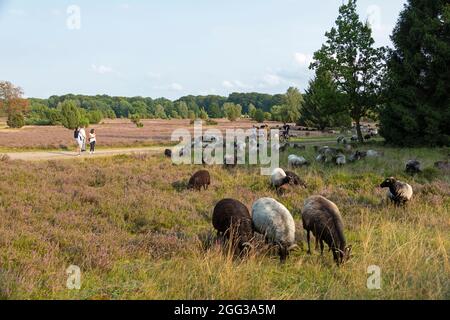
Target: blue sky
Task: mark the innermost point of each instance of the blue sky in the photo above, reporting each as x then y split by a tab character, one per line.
170	48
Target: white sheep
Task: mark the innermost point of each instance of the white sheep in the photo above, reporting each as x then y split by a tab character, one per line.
275	222
296	161
279	178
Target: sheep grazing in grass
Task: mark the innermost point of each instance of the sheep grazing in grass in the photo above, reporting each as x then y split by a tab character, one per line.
295	179
232	219
168	153
442	165
297	146
275	222
413	167
322	217
342	140
200	179
279	178
399	192
340	159
374	154
296	161
358	155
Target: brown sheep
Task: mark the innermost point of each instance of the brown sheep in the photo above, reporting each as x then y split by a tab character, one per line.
232	219
322	217
200	179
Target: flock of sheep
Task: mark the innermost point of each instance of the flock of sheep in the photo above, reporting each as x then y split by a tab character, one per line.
270	218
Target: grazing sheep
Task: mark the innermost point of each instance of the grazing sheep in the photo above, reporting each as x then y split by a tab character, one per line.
373	154
340	160
168	153
295	179
442	165
279	178
322	217
296	161
399	192
413	167
276	223
342	140
200	179
232	220
358	155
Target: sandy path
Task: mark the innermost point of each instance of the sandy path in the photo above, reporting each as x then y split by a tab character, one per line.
58	155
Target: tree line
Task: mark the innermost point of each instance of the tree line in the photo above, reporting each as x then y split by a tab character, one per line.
406	88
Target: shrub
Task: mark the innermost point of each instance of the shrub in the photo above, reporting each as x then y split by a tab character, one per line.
70	114
15	120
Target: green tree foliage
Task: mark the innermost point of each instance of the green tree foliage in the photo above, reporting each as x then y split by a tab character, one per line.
94	116
15	120
417	84
203	114
259	116
291	110
251	111
160	113
232	111
71	116
354	63
322	108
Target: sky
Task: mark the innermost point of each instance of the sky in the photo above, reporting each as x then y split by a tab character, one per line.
170	48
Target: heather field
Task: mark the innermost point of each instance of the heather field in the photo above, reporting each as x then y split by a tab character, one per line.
111	133
135	231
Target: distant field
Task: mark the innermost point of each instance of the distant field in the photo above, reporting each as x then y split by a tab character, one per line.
136	236
111	133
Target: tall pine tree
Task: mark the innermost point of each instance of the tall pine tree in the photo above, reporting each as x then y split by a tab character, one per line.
417	107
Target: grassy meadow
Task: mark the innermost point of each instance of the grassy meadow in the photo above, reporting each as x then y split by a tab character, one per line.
137	235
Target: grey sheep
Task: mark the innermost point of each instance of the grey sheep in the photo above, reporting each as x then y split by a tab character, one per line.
322	217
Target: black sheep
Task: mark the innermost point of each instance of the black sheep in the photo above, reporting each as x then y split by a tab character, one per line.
413	167
295	179
168	153
322	217
232	219
200	179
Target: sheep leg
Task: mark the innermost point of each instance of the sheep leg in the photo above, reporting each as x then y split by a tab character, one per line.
308	239
321	247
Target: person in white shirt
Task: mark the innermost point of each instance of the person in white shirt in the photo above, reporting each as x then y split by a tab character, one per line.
83	138
92	141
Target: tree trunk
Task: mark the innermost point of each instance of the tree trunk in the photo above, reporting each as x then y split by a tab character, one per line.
359	132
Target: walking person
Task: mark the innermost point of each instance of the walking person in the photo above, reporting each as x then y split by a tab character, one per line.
78	140
83	138
92	140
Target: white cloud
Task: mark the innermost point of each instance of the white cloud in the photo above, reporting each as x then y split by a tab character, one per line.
236	84
227	84
101	69
303	59
272	80
176	86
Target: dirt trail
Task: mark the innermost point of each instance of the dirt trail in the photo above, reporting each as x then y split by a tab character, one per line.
58	155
